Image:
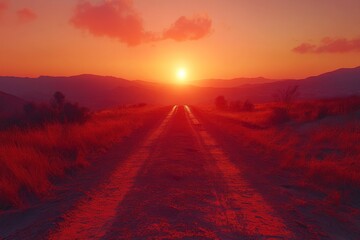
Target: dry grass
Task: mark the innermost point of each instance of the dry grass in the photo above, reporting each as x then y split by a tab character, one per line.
325	148
30	158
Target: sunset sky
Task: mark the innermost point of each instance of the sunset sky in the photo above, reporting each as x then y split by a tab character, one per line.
152	39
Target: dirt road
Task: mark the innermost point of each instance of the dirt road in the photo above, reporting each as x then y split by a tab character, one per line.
178	184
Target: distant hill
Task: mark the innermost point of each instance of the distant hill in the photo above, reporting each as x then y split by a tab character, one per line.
230	83
89	90
10	105
338	83
102	91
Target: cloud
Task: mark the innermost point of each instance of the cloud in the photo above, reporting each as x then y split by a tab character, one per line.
26	15
3	6
189	28
118	19
115	19
330	45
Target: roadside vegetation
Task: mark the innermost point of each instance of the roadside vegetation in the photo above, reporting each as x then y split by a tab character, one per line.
319	139
37	115
235	106
48	141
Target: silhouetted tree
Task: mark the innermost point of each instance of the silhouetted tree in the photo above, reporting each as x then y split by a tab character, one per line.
221	103
66	112
37	115
58	100
287	96
239	106
248	106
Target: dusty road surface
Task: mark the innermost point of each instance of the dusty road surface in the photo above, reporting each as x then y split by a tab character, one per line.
178	183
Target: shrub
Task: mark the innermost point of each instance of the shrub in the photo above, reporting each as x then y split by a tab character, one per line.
322	112
279	115
141	105
349	104
58	111
239	106
235	106
72	113
287	96
221	103
138	105
248	106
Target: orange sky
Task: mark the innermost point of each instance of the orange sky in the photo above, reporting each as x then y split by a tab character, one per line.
151	39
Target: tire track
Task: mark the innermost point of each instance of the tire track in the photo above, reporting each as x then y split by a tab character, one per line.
243	205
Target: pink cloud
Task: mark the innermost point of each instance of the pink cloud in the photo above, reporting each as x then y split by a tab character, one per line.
330	45
118	19
3	6
26	15
189	28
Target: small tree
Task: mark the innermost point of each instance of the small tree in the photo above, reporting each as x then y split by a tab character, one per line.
58	100
66	112
287	96
248	106
221	103
73	113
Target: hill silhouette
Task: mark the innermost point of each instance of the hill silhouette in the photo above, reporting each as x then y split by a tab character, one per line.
10	105
338	83
105	91
229	83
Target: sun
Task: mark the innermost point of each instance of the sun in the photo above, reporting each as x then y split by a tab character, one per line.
181	75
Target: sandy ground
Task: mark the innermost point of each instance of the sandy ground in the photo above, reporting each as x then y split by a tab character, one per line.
178	182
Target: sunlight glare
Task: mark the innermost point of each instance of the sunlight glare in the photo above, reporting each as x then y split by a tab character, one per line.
181	75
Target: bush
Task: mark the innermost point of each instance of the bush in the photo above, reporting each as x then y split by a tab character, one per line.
221	103
287	96
322	112
248	106
139	105
279	115
239	106
72	113
235	106
349	104
58	111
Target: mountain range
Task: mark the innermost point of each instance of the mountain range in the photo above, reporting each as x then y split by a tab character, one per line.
98	92
235	82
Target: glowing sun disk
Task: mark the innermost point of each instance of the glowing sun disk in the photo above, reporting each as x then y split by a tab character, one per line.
181	74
